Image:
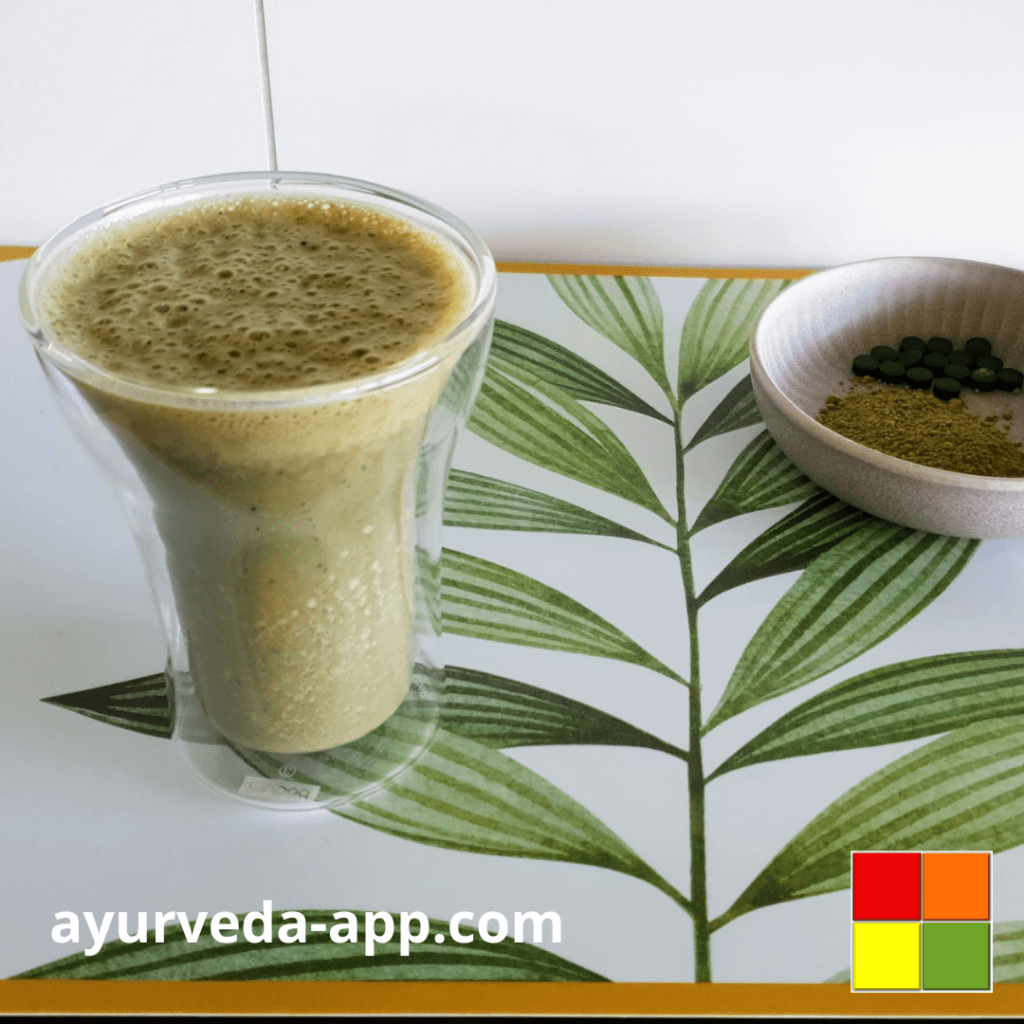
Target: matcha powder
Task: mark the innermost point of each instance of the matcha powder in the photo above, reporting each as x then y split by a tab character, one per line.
917	427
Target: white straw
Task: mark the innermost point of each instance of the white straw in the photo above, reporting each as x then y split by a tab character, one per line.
268	107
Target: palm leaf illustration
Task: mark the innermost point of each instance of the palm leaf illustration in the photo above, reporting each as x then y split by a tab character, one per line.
543	424
1008	952
491	709
905	701
465	375
143	705
849	599
791	544
761	477
315	959
520	353
963	791
491	602
484	503
625	310
461	795
736	411
717	328
501	713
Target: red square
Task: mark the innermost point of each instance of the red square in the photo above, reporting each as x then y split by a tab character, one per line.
887	887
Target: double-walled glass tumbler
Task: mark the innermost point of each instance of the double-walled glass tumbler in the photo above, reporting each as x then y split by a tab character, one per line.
291	534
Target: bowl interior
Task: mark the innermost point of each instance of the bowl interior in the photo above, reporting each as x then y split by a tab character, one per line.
808	336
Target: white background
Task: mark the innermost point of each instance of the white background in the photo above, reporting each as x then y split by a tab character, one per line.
677	132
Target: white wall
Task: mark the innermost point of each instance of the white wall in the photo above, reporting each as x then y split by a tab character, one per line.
677	132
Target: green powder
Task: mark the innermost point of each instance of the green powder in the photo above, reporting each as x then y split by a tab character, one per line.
917	427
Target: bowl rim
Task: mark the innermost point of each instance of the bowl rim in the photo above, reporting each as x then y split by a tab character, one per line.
760	377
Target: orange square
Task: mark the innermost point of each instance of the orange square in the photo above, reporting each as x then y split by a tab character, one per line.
956	886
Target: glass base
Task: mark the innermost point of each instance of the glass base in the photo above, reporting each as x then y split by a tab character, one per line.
309	782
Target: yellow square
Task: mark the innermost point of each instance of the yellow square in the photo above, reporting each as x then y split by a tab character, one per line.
886	955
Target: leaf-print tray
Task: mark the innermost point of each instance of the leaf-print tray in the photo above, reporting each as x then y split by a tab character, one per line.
683	684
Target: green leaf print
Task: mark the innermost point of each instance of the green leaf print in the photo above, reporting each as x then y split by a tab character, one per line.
820	523
467	372
317	958
484	503
905	701
549	428
502	713
491	602
1008	952
840	977
963	791
737	410
346	771
625	310
848	600
427	588
524	355
761	477
716	333
464	796
143	705
435	787
491	709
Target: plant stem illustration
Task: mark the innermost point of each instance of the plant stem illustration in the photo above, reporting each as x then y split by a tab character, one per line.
695	759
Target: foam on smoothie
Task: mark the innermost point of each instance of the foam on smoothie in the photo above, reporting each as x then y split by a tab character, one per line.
256	293
288	532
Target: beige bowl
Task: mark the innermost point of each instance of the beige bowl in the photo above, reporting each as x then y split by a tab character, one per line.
801	351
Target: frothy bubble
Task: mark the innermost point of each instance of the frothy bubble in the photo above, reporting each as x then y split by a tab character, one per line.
257	293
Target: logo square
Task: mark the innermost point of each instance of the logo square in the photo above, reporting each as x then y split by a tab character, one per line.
886	886
956	886
886	956
956	956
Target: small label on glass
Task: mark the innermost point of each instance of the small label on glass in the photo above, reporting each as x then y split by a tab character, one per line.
277	789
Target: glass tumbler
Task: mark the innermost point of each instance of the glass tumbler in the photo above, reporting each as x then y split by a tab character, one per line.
292	537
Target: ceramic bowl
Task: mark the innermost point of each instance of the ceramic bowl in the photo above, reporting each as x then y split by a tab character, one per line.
800	353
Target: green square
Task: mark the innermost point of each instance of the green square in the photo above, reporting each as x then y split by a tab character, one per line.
956	955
